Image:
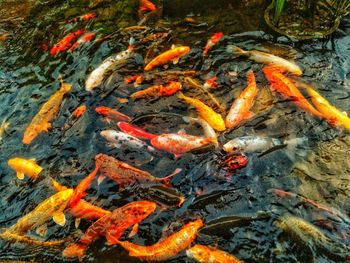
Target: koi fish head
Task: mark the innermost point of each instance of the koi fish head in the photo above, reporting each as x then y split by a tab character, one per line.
199	252
139	210
217	36
102	110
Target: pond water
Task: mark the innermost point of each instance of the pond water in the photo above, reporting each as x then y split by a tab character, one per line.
241	213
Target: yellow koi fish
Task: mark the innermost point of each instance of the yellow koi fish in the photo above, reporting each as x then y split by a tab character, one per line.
41	121
205	112
25	167
330	113
4	126
51	207
19	238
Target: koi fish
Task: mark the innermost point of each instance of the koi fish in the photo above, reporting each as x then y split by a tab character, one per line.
253	144
65	42
205	112
146	5
79	112
179	143
135	131
332	115
51	207
288	90
171	55
25	167
125	174
122	140
240	109
41	121
160	91
96	77
212	41
205	254
4	126
111	114
194	83
112	226
211	83
266	58
136	79
83	39
166	248
155	37
306	234
86	17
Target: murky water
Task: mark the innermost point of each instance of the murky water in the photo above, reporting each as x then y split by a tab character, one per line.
318	169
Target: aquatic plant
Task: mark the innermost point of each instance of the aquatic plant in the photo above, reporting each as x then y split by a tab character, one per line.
338	8
279	6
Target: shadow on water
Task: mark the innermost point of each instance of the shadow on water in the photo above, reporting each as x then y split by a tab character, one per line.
240	203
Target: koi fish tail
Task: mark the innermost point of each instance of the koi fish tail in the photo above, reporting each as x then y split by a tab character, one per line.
74	251
166	180
79	191
132	43
235	50
65	87
294	144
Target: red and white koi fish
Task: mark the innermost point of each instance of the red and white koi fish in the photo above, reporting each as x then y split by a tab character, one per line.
135	131
83	39
211	83
179	143
64	44
240	109
212	41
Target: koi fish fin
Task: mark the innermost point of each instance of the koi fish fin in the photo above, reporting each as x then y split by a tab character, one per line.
134	230
47	126
60	219
177	155
296	144
41	230
100	179
151	149
235	50
111	239
166	180
173	46
77	222
20	175
108	120
74	250
175	61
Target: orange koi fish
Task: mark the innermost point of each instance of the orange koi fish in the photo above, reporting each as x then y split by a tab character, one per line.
332	115
80	111
266	58
51	207
146	5
179	143
65	42
137	79
212	41
204	254
41	121
83	39
205	112
112	115
240	109
86	17
160	91
25	167
112	226
166	248
171	55
284	86
125	174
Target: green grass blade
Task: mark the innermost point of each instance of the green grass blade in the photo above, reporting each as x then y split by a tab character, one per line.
279	5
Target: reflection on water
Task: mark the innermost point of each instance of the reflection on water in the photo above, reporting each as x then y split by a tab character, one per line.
317	170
